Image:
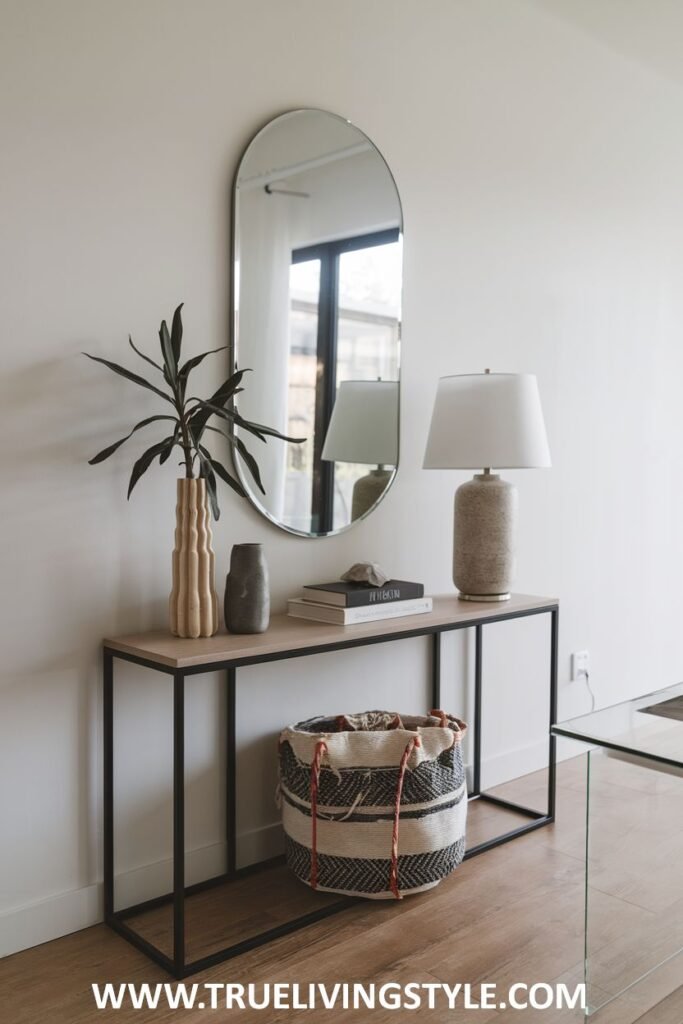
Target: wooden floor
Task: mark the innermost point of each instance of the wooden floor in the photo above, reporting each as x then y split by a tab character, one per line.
514	914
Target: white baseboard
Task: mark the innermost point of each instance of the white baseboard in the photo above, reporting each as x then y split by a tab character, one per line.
260	844
523	761
512	764
50	919
152	880
81	908
68	912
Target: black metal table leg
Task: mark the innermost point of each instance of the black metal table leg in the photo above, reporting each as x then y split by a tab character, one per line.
231	773
179	822
554	638
436	670
476	758
108	798
538	818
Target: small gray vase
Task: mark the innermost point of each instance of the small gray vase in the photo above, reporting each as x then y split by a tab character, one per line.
247	595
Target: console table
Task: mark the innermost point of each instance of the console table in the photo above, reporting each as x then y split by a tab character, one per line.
290	638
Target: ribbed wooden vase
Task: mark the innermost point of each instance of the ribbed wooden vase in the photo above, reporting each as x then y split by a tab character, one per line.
193	604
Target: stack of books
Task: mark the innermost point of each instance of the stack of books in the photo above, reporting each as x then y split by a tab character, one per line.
345	604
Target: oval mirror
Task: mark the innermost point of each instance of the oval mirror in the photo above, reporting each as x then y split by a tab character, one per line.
317	299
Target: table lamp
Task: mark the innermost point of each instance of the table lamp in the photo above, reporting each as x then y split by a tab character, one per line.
486	421
364	428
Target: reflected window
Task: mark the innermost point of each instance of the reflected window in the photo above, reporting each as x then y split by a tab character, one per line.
343	326
304	291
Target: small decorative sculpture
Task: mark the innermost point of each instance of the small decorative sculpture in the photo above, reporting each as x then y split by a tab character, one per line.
366	572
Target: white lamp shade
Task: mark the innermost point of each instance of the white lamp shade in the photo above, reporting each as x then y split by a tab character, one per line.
364	423
487	420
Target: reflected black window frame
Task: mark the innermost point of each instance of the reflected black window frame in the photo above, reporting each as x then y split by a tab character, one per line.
328	253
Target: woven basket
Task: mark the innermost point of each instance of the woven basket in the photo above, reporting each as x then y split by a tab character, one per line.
373	804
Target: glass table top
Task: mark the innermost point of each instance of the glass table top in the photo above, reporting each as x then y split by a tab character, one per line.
650	726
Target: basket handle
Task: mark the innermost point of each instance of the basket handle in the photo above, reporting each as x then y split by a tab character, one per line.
320	749
413	742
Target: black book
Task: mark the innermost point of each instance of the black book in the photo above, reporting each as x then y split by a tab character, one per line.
356	595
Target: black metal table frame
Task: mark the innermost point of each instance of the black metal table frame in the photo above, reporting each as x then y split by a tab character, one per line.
178	965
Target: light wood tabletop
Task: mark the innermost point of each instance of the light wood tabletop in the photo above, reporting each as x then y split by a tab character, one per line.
287	634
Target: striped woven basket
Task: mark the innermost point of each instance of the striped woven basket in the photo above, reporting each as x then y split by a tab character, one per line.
373	804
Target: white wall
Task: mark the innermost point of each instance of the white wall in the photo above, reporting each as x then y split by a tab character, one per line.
540	174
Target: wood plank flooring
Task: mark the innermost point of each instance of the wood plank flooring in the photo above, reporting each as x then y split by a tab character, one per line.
514	914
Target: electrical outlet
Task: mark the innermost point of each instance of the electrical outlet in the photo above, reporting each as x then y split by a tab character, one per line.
580	665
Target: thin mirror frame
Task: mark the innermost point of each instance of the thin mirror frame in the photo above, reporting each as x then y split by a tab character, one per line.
234	350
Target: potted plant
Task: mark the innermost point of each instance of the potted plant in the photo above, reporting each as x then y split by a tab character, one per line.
193	601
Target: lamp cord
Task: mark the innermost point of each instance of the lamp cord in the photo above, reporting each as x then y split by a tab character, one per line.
586	676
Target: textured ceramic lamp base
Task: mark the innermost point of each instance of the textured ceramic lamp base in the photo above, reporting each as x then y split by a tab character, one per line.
484	538
367	491
193	604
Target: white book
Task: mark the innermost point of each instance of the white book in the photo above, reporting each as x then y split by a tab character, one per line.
300	609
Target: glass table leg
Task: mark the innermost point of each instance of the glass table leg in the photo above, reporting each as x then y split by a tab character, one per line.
633	921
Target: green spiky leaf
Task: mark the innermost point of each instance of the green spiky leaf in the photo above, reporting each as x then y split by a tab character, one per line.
250	461
170	365
129	375
143	356
207	474
258	429
177	333
225	392
227	478
106	452
166	454
146	460
187	367
221	471
210	410
192	417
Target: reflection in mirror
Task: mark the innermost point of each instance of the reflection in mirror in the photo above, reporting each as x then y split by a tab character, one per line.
318	269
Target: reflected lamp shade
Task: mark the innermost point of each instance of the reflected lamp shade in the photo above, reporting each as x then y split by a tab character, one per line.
364	423
364	429
486	421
